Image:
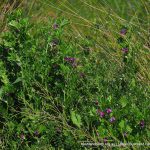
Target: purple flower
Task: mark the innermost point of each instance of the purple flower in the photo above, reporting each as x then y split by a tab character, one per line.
142	123
112	119
22	136
102	114
105	140
70	60
125	50
123	31
108	110
55	26
36	133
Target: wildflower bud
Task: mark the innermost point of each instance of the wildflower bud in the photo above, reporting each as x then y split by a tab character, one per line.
105	140
71	60
55	26
22	136
142	123
102	114
36	133
125	50
123	31
112	119
108	110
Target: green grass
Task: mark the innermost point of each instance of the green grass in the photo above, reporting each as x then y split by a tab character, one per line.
64	65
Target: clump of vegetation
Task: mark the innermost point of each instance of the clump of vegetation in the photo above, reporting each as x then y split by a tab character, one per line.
57	90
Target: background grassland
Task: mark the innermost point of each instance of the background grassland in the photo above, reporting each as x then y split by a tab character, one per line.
55	82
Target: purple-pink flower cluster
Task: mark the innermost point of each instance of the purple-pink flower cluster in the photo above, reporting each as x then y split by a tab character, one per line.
125	50
108	111
22	136
105	140
142	124
123	31
102	114
71	60
55	26
112	119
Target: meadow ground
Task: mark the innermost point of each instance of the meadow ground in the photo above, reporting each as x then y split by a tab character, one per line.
74	74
